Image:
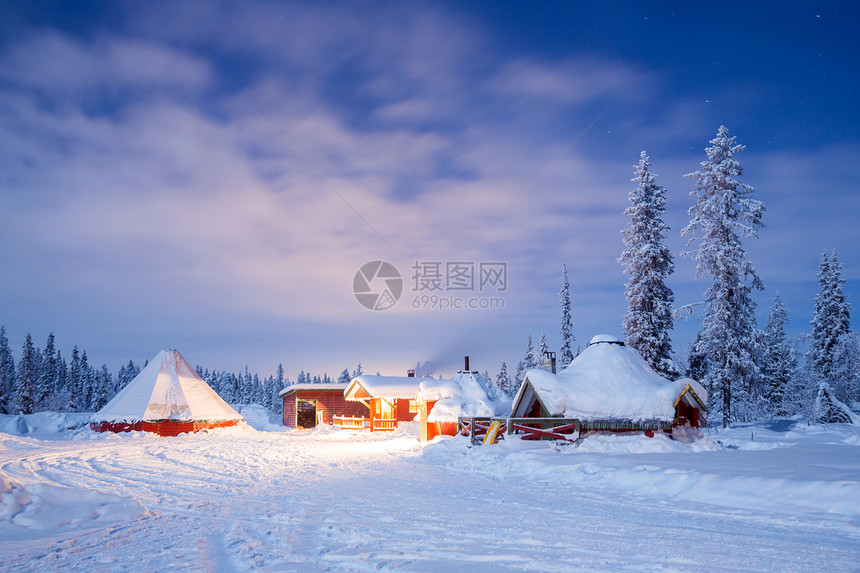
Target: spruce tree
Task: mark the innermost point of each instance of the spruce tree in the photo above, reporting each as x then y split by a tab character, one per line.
128	373
567	337
648	261
87	384
845	375
102	388
527	363
74	382
725	213
7	375
778	361
542	350
47	380
25	383
503	381
830	319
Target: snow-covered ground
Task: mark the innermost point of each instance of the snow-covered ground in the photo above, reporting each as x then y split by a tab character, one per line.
778	496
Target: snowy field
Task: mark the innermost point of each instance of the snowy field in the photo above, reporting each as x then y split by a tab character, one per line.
780	496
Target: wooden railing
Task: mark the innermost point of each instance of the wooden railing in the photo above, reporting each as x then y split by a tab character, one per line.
351	423
567	429
384	425
473	427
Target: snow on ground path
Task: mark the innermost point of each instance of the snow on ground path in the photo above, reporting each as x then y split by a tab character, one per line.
238	499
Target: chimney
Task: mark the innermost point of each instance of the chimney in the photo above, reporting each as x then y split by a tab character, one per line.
466	369
549	361
410	373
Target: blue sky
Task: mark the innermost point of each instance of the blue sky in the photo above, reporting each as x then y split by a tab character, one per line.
210	178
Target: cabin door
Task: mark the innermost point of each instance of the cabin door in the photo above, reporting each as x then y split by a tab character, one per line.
306	413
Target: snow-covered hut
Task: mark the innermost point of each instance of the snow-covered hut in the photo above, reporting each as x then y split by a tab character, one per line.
468	394
390	399
167	398
610	387
306	405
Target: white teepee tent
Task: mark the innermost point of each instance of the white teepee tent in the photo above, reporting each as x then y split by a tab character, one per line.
168	398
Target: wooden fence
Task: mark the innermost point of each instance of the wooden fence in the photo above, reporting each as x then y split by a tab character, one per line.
566	429
351	423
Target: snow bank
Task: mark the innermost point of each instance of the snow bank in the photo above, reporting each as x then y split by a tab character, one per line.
260	418
805	470
42	424
48	508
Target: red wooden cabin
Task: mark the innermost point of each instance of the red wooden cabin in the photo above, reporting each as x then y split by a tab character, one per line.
306	405
390	399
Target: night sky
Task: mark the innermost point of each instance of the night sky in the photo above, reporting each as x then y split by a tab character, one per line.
211	177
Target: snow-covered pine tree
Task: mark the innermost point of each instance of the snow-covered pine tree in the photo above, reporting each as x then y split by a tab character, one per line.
648	261
831	318
725	213
46	383
357	371
279	383
542	350
527	363
778	361
59	400
128	372
520	374
25	383
7	375
567	338
74	381
801	390
88	381
503	381
259	394
102	389
344	377
846	372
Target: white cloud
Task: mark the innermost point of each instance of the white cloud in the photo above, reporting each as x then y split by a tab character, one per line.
68	68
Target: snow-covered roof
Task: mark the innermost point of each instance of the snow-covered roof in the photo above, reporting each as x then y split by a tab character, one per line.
168	388
466	394
608	380
388	387
326	386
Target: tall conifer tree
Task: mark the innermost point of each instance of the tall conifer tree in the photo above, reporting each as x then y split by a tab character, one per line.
725	213
567	337
648	262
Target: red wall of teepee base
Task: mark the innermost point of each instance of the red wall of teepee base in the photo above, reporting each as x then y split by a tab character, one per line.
160	427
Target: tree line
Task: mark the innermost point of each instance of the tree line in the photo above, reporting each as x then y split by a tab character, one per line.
43	380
